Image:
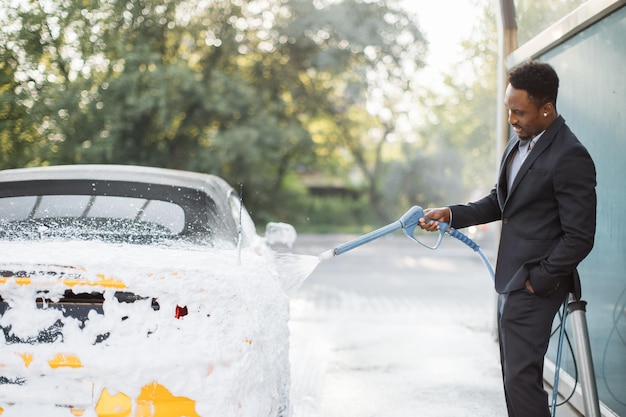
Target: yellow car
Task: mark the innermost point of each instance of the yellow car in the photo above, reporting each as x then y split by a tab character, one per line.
134	291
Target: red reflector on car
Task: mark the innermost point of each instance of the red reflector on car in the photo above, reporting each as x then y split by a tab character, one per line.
181	311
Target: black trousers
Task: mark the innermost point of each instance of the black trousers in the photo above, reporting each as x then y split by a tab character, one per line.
524	326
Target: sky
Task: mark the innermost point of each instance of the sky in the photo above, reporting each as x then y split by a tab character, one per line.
445	24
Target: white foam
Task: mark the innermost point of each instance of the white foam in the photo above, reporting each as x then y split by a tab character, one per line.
229	354
295	269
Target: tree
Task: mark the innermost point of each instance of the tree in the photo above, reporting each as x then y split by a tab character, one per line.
364	54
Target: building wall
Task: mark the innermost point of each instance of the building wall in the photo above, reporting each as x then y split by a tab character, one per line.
592	99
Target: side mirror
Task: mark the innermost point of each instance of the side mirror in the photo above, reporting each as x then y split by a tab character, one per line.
280	236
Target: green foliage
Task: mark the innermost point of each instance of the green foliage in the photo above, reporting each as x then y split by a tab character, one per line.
337	215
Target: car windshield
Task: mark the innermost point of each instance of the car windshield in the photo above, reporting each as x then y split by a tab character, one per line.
80	216
142	213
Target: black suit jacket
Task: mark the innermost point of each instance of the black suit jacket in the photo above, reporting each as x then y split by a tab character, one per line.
548	216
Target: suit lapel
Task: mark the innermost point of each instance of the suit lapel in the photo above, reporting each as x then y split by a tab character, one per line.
502	183
542	144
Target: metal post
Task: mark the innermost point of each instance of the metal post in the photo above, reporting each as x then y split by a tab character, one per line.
507	43
583	357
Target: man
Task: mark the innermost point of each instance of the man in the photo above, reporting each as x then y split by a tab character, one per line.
545	197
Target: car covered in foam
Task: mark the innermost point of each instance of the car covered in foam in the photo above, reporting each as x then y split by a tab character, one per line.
137	291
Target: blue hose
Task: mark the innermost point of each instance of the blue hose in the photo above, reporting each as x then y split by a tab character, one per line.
557	365
469	242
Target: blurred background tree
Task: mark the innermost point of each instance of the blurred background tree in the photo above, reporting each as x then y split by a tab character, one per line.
314	110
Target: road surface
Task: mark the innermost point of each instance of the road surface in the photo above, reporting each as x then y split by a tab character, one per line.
392	329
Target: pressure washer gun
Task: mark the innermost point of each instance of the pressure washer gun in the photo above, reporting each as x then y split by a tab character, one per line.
408	223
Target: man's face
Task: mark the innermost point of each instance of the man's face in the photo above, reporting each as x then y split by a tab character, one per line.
526	119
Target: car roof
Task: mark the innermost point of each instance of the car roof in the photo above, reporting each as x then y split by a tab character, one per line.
211	184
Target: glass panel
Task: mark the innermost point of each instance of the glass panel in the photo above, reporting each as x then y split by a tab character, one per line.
16	208
166	214
591	99
116	207
61	206
67	211
534	16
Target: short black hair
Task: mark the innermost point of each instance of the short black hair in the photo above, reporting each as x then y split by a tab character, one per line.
538	79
